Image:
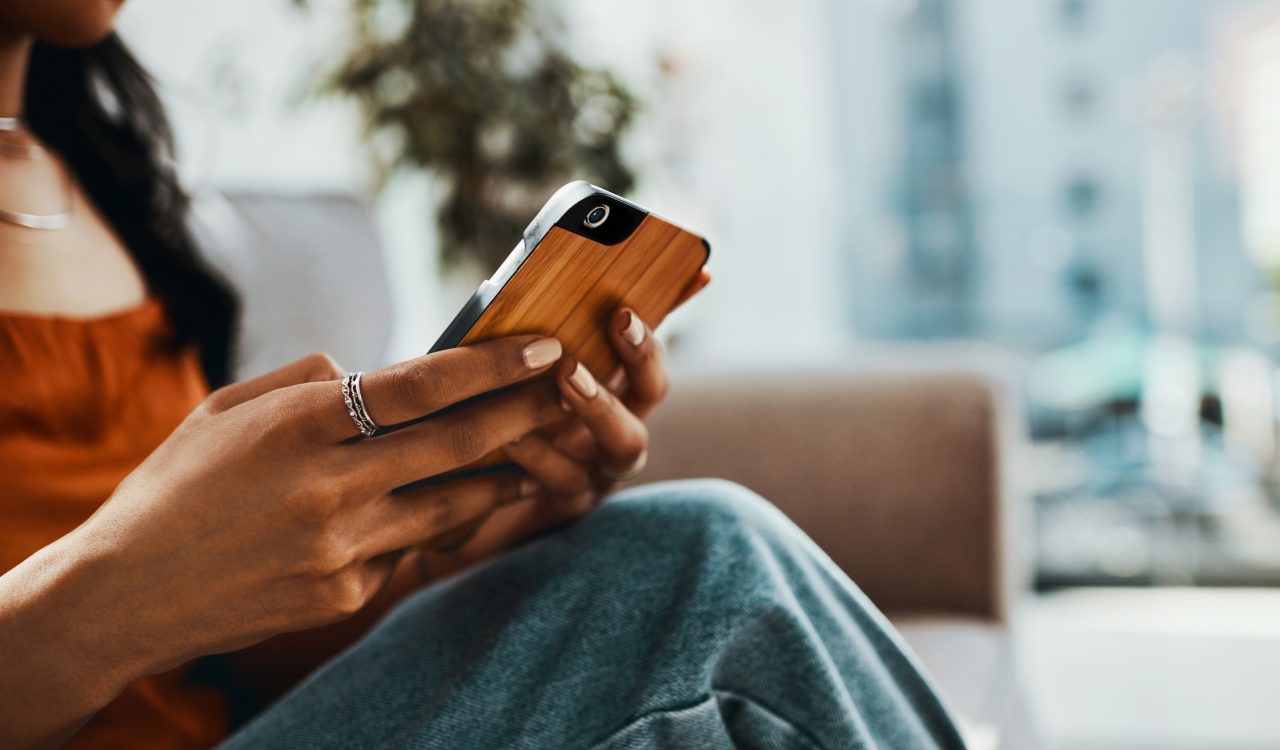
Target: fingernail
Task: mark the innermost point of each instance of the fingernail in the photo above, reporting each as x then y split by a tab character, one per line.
583	383
634	332
540	353
529	487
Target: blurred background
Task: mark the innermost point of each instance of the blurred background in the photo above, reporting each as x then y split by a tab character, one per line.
1087	189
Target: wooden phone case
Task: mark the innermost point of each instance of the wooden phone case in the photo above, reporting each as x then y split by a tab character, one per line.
566	279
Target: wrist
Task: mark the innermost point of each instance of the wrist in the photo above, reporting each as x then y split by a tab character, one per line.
65	634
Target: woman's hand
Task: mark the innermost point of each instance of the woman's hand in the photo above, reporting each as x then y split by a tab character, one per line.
608	439
567	475
261	514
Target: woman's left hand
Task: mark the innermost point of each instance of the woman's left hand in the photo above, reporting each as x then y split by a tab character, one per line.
606	442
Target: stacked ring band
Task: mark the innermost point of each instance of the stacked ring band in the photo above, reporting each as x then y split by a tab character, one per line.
354	399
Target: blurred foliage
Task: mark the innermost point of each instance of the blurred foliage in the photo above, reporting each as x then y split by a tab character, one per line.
481	94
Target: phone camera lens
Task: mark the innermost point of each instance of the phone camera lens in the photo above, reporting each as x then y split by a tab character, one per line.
596	217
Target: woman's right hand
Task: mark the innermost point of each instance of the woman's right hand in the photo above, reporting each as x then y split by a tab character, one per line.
261	515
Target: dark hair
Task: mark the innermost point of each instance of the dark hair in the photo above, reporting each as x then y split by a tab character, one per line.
98	108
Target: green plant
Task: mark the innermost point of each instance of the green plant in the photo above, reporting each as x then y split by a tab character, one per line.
481	94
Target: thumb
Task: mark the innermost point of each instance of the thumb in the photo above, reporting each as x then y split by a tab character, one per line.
310	369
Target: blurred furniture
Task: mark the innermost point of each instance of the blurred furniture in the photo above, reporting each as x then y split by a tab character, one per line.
898	475
309	273
896	469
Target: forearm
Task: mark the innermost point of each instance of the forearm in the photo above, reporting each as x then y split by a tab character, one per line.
60	646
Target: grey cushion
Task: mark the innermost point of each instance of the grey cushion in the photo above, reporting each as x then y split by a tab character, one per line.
309	271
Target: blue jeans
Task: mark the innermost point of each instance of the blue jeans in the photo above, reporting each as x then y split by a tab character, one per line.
681	615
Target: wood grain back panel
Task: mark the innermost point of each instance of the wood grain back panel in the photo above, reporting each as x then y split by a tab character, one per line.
569	286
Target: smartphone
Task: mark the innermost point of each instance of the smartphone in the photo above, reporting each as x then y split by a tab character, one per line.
585	254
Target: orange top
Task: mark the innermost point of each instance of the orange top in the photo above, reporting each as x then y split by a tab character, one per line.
83	402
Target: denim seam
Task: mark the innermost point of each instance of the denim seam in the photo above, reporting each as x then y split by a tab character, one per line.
804	734
715	692
694	703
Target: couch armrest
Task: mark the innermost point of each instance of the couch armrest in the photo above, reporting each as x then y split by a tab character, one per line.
896	476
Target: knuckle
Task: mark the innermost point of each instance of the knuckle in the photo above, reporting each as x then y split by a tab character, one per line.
502	360
445	512
467	440
328	554
634	445
217	401
640	440
321	366
405	384
341	595
499	360
579	481
608	403
546	404
281	417
212	404
661	384
535	450
423	386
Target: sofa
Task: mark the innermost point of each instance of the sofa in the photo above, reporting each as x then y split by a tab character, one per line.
895	465
896	470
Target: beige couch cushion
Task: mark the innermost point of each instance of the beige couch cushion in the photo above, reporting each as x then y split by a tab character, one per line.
894	475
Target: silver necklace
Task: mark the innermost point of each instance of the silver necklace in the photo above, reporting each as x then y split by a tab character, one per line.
60	220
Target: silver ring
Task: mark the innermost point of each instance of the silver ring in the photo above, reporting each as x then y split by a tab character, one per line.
629	473
354	399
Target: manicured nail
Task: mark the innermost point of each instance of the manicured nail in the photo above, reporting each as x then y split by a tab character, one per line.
583	383
528	486
538	354
634	332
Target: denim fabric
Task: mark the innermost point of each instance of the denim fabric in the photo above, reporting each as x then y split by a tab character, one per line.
680	615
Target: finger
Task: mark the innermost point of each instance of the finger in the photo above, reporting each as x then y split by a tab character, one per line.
425	513
577	442
311	368
621	436
377	571
455	438
427	384
566	482
455	539
642	359
503	529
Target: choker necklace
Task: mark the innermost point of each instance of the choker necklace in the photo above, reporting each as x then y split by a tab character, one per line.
60	220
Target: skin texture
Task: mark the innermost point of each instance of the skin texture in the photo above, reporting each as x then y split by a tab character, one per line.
262	515
79	271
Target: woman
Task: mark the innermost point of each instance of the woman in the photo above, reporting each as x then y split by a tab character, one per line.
146	524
